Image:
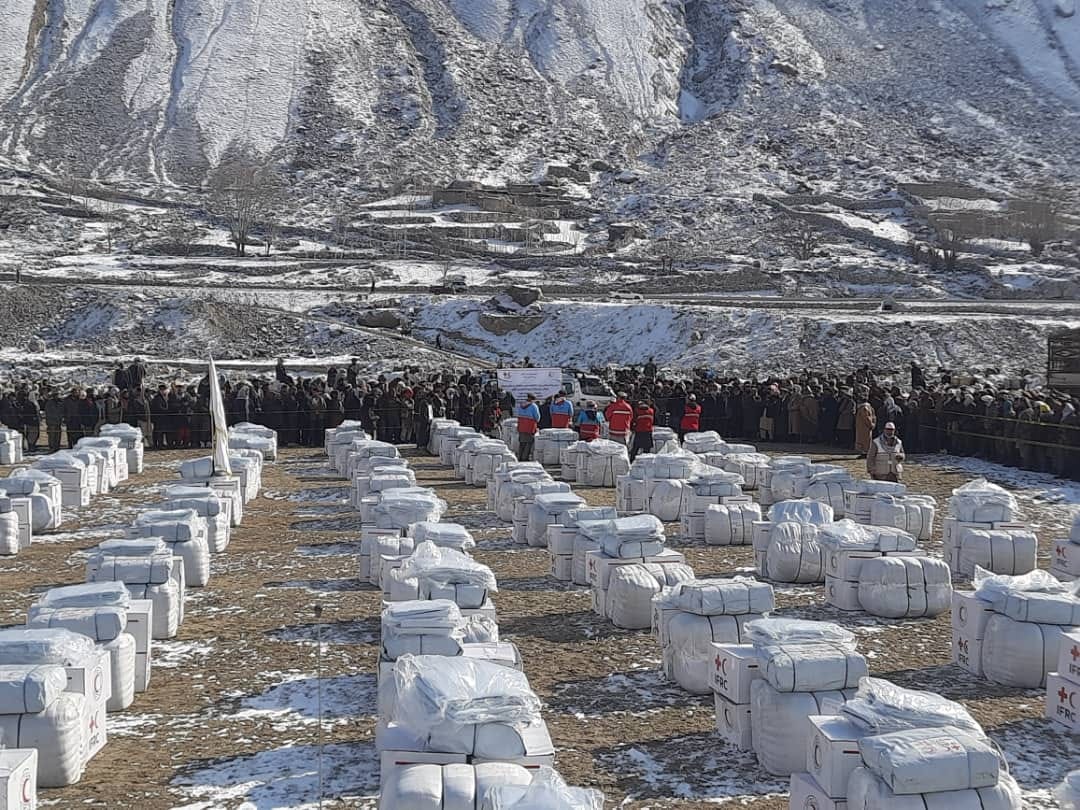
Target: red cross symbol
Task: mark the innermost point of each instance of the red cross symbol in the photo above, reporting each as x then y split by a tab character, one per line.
718	660
1062	695
93	722
1060	551
1075	652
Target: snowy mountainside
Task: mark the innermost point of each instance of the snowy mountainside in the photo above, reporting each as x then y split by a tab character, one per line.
490	88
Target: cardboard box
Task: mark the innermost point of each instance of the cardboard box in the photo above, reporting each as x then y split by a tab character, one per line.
598	566
1065	558
539	750
1063	702
692	526
561	539
93	681
1069	657
180	578
142	671
488	610
806	794
759	534
562	567
735	667
842	594
833	753
599	602
967	652
140	623
970	615
845	564
733	722
23	509
18	778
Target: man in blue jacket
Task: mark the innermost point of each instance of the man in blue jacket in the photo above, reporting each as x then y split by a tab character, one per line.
528	422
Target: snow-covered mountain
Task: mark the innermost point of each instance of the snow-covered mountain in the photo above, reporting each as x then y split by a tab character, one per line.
363	89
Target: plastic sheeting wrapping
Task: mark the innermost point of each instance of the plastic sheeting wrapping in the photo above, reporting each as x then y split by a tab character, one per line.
185	534
664	498
905	587
548	509
690	638
882	707
753	467
802	510
30	688
400	508
103	623
48	485
1020	653
261	444
632	587
550	442
715	482
627	537
448	787
930	760
780	728
1068	792
979	501
21	645
851	536
865	790
547	791
58	735
90	594
168	603
630	494
213	510
603	463
579	570
515	491
773	631
707	441
911	513
794	554
117	564
421	627
446	573
10	542
42	517
446	535
722	597
731	524
121	672
1034	597
1001	551
812	667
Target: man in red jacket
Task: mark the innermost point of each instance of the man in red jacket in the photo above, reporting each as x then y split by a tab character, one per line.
691	418
644	418
620	417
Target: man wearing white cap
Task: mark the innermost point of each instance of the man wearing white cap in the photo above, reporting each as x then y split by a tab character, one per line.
884	459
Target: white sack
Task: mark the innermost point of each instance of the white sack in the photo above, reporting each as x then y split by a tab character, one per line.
905	587
730	524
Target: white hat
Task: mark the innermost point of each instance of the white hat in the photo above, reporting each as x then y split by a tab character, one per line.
890	426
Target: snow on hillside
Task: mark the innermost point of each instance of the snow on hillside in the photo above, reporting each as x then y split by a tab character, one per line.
745	340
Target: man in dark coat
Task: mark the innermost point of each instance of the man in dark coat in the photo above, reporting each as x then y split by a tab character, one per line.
159	416
54	419
72	417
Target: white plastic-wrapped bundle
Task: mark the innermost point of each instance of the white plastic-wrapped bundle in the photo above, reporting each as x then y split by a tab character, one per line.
58	735
11	446
131	439
43	516
185	533
780	728
689	649
570	459
167	599
753	467
771	631
90	594
730	524
116	561
627	537
48	486
911	513
207	504
447	535
859	496
550	443
548	509
583	544
1020	653
851	536
439	429
676	464
513	491
488	459
812	667
341	437
101	623
664	498
380	546
603	463
828	488
400	508
421	627
720	597
1068	792
1034	597
547	791
905	587
101	472
261	444
1001	551
451	442
707	441
794	554
632	588
30	688
24	645
465	453
715	482
10	538
881	707
802	510
447	573
868	791
121	652
630	493
979	501
425	786
930	760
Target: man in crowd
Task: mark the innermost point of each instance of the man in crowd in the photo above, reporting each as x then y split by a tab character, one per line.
528	422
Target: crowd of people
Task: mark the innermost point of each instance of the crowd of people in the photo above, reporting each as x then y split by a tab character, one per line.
1014	425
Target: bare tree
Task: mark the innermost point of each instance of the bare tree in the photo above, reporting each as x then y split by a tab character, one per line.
948	242
1038	217
246	191
181	232
803	238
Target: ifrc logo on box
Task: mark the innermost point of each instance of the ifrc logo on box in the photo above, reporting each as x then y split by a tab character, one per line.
720	677
26	791
1068	704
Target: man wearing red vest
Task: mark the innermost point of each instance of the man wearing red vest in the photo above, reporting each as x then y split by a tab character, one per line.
561	411
691	418
588	421
620	417
644	418
528	421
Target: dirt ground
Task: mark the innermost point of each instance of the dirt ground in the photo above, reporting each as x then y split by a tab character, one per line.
232	712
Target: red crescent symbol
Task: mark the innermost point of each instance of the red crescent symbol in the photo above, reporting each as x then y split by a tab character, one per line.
1072	695
26	796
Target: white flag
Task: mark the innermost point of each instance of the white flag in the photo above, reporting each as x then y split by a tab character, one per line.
218	425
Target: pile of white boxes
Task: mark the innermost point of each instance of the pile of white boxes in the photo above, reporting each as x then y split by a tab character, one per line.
703	519
1011	629
785	545
568	545
892	747
981	531
1065	555
1063	685
11	446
